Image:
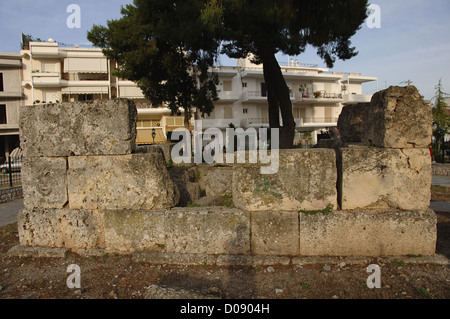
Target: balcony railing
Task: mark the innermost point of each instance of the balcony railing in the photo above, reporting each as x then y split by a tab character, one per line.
315	121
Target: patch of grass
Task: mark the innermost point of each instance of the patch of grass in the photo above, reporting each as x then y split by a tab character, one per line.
160	246
329	209
398	262
305	286
197	176
193	205
425	293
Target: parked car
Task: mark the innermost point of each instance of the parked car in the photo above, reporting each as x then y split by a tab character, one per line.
16	166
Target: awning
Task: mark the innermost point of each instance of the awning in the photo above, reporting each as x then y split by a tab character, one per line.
85	65
85	90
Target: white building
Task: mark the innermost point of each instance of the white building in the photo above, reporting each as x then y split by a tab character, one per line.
10	100
317	96
53	73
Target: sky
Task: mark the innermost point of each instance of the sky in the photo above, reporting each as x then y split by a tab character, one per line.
412	42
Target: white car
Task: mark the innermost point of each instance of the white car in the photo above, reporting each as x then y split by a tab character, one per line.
16	166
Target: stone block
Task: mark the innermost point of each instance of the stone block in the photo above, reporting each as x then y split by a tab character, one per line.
385	178
81	128
129	231
368	233
136	181
306	180
44	182
351	122
214	180
207	231
61	228
398	118
275	233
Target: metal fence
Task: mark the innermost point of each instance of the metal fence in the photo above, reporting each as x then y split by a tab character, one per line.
10	172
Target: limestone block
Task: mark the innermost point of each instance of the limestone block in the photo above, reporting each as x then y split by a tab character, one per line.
207	231
351	122
44	182
136	181
368	233
129	231
385	178
61	228
80	128
398	118
215	181
306	179
275	233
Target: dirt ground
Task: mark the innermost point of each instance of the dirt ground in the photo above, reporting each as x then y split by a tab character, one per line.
119	277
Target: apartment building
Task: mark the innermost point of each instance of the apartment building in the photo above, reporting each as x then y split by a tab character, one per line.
317	97
53	73
10	99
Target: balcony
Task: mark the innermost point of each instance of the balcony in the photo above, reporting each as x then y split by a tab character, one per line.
46	79
220	123
259	97
255	122
357	98
318	97
227	96
316	122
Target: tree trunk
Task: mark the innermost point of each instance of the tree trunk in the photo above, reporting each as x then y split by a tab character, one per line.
278	97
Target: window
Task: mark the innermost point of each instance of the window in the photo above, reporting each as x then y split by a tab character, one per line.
1	82
244	84
245	111
3	114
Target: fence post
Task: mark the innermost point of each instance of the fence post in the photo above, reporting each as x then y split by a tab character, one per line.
10	172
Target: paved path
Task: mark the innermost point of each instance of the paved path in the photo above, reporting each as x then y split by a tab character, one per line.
9	211
441	180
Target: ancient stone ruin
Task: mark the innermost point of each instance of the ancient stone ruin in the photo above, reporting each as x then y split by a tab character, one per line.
89	189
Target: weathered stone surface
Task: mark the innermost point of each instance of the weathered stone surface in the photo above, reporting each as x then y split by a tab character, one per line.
80	128
44	182
351	122
368	233
215	180
207	231
385	178
129	231
398	118
306	179
181	230
275	233
61	228
136	181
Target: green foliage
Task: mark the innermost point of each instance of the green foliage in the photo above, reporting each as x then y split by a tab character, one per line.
441	122
165	48
329	209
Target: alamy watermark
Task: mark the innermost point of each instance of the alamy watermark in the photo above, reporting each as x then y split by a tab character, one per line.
74	19
74	279
211	146
374	280
373	20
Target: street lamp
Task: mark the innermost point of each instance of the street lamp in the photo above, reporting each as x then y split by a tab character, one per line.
153	135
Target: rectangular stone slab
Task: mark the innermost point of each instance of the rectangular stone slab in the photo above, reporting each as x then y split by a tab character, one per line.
101	127
61	228
136	181
385	178
306	180
212	230
368	233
